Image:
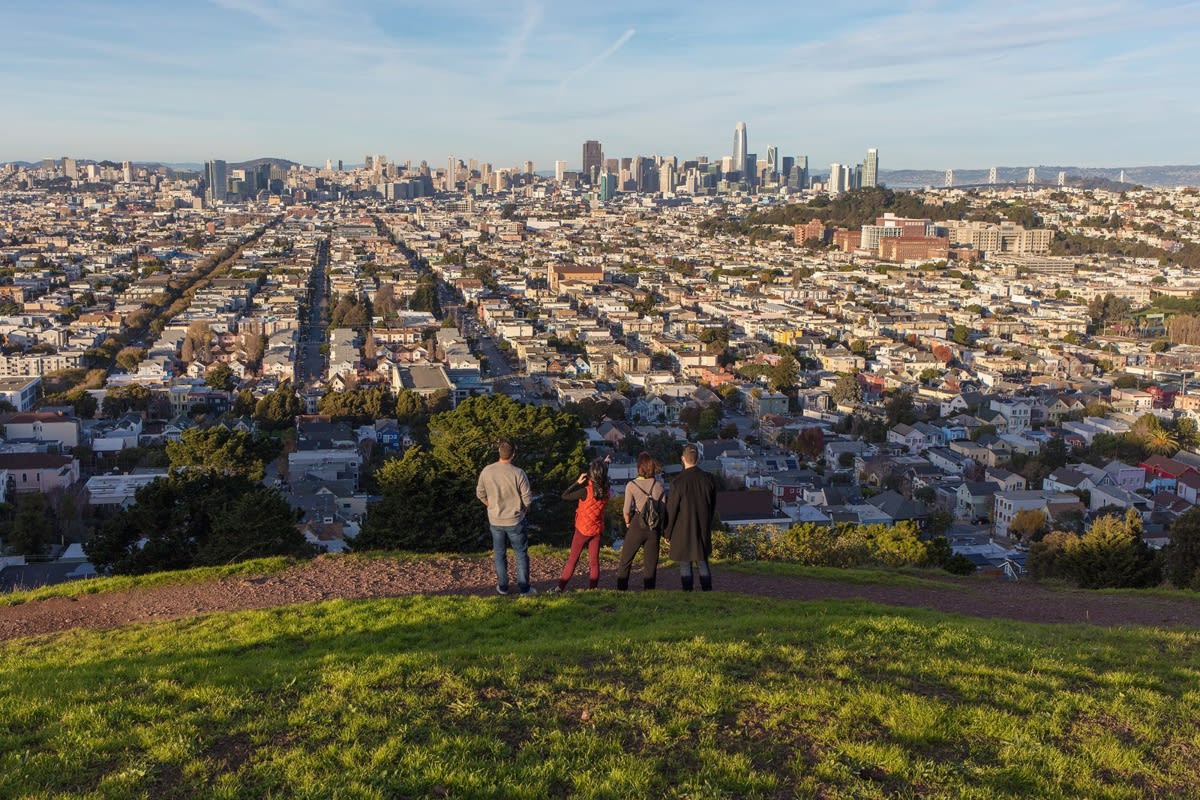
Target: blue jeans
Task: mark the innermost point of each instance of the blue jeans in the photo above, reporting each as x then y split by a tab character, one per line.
502	536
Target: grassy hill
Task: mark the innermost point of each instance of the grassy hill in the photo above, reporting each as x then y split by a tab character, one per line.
595	694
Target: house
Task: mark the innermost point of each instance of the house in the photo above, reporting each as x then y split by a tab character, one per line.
900	508
1006	480
1050	503
1066	479
1187	486
913	439
740	508
1017	413
1162	472
42	427
39	472
118	491
974	500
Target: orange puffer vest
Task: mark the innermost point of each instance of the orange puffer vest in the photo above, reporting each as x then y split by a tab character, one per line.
589	514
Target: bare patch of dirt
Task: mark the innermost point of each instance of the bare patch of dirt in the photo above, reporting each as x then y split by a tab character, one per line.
329	578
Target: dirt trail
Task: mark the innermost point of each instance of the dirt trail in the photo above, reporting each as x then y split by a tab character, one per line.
347	578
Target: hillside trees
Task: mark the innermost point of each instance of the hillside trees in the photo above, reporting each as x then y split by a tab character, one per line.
1110	555
278	409
1181	558
196	518
221	451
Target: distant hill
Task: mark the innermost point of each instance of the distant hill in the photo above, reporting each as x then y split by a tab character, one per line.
1087	177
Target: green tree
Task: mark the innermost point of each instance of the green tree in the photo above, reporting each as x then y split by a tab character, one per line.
899	409
1112	555
359	406
221	451
961	334
783	376
1181	557
133	397
219	376
277	410
196	518
32	527
847	391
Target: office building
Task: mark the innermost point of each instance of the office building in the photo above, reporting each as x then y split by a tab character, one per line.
216	176
593	159
871	168
740	145
773	166
559	168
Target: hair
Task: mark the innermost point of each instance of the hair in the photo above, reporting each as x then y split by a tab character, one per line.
690	455
598	475
647	467
505	449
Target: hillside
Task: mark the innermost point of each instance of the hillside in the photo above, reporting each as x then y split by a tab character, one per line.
595	694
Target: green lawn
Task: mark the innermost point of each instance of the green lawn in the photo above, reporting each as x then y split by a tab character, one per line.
687	696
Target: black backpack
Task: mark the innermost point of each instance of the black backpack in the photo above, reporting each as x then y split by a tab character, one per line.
653	512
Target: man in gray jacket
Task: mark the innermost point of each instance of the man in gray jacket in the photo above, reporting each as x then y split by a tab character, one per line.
504	489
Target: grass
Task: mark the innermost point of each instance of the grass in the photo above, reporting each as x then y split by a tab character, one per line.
120	583
686	696
917	579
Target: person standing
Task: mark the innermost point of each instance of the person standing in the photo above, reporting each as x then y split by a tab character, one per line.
591	490
643	489
691	504
504	489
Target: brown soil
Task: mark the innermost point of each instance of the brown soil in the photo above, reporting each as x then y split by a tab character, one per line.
328	578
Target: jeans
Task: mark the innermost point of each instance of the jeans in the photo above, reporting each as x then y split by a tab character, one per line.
636	537
503	535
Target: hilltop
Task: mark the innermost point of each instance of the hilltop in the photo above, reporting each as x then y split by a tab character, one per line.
595	694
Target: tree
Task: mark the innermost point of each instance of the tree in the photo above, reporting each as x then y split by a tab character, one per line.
899	409
961	334
32	527
1047	557
128	358
1027	524
809	444
133	397
221	451
1154	436
784	374
728	431
196	518
1181	558
360	406
1112	555
219	376
278	409
1053	453
847	391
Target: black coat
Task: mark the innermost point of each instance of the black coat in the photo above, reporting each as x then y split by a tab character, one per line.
691	504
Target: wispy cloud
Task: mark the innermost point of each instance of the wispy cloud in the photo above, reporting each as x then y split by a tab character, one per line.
606	54
520	40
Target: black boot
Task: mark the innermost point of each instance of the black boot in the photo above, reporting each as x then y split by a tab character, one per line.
686	582
622	584
647	584
706	583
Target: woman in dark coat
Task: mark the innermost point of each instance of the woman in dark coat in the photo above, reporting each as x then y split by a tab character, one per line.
691	504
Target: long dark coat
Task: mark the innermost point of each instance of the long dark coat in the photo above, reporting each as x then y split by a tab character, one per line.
691	504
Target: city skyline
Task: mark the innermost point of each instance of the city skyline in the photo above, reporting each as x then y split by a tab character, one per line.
234	78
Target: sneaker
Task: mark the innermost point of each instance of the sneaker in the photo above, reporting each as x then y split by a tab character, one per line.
558	590
501	589
530	592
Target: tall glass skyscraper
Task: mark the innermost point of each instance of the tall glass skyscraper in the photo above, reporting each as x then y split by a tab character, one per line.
870	175
593	160
216	175
739	148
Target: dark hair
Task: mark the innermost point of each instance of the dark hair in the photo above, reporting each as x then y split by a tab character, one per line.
647	467
690	454
598	475
505	449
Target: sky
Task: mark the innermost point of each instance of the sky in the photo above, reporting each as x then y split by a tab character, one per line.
931	84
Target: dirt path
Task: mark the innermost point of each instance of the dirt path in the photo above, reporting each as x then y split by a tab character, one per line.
347	578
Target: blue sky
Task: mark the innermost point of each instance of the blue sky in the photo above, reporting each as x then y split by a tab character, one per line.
931	84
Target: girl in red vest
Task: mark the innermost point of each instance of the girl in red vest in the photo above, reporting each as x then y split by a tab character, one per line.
591	490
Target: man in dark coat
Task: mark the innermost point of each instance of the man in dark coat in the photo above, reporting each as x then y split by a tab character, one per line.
691	504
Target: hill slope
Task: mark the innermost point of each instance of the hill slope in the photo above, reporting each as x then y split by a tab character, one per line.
595	694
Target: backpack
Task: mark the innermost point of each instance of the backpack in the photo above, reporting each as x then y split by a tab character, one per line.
653	513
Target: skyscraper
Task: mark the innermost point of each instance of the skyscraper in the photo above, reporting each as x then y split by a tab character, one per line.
871	168
216	175
559	168
739	148
834	185
773	166
593	160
